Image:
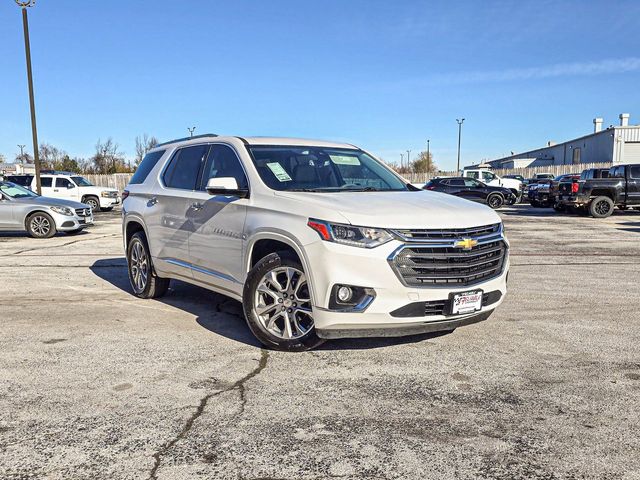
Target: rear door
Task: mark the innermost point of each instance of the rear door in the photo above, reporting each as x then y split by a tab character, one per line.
216	240
168	212
633	185
46	183
7	214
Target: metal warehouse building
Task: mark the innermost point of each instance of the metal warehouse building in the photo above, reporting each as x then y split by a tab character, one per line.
615	144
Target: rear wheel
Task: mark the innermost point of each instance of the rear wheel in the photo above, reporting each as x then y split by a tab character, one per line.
559	207
277	304
495	200
601	207
144	281
41	225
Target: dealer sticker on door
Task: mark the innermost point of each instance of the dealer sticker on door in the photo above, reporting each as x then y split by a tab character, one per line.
466	302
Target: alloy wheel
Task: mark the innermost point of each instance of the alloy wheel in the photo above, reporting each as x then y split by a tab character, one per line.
282	303
602	207
139	266
40	225
93	204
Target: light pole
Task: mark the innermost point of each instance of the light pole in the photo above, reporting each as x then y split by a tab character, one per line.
408	159
401	161
460	122
428	158
24	4
21	147
191	130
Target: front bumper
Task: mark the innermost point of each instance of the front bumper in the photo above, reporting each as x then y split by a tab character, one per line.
332	264
68	223
109	202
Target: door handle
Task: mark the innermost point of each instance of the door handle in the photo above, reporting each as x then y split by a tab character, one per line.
197	206
55	189
152	201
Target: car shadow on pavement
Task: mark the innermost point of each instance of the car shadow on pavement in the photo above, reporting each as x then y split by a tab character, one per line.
223	315
633	227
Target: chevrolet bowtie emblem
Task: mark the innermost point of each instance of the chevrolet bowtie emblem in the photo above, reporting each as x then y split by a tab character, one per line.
466	243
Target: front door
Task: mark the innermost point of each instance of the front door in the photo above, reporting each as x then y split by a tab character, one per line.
7	215
168	211
633	185
65	188
217	240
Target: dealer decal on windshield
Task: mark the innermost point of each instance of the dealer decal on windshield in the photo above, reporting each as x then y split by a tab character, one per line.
280	173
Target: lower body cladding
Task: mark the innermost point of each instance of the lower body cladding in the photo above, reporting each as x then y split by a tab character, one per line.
386	306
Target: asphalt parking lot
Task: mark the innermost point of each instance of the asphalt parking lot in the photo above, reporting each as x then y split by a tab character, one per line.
95	383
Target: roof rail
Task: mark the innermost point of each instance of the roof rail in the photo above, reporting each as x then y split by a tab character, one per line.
57	172
184	139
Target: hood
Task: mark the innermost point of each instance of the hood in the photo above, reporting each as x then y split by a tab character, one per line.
423	209
51	202
97	188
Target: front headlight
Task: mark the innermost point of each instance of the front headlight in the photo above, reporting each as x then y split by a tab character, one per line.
364	237
63	211
105	194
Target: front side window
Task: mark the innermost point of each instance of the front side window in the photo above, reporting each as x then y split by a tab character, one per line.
322	169
634	171
457	182
488	176
223	162
184	167
64	183
13	190
473	174
82	182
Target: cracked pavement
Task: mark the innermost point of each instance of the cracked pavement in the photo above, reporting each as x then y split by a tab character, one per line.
95	383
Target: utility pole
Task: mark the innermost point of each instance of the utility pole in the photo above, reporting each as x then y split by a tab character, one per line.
191	130
21	147
460	122
428	159
408	159
401	161
24	4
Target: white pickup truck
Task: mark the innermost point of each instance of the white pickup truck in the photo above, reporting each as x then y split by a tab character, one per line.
488	177
71	186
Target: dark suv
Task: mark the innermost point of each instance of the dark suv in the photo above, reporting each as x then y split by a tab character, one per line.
474	190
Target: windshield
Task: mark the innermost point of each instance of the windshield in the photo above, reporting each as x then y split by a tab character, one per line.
320	169
82	182
12	190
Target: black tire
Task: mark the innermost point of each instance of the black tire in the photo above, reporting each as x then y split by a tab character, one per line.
559	208
74	232
495	201
535	204
268	264
93	202
41	225
107	209
601	207
142	276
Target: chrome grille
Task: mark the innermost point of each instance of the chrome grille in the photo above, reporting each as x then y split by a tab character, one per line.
417	235
83	212
438	262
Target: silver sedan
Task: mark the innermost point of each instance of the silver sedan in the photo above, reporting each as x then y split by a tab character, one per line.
41	217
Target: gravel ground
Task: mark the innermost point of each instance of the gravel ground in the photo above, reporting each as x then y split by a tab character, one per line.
95	383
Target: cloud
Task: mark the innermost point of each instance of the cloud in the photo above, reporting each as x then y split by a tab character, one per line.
603	67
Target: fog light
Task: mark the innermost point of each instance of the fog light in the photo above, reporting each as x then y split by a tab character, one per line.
345	294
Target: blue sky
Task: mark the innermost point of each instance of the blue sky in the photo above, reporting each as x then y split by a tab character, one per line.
384	75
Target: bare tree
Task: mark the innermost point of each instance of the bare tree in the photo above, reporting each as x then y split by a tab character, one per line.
424	163
23	158
50	156
108	158
143	145
2	158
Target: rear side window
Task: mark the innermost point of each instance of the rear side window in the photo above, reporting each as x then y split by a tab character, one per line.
22	180
148	162
634	171
184	167
45	182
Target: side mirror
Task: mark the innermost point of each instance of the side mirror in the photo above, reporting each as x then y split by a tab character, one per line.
70	186
225	186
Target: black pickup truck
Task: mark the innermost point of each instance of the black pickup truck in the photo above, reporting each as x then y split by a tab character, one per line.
599	196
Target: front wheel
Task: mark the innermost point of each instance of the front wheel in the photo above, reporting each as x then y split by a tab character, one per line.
558	207
144	281
93	202
277	304
495	200
601	207
41	225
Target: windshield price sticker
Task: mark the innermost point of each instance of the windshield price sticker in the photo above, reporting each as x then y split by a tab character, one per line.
280	173
467	302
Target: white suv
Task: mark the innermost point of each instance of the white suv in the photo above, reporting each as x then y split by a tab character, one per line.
317	239
71	186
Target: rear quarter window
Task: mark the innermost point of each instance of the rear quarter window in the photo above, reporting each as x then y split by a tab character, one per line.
149	161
